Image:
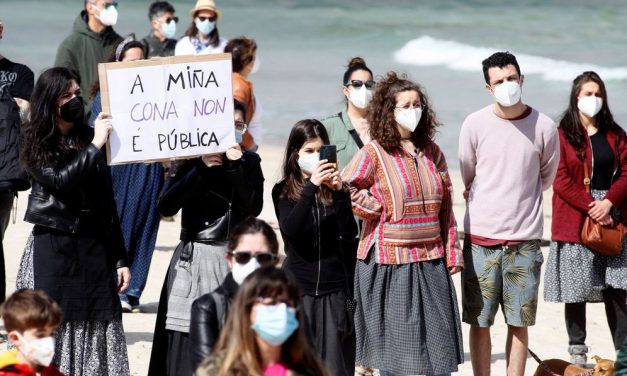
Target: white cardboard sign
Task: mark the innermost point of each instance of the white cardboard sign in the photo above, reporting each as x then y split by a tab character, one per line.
173	107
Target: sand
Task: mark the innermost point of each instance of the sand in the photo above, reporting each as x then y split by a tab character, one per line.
547	338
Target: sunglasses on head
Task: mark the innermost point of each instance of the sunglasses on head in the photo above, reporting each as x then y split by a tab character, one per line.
203	19
359	83
170	19
243	257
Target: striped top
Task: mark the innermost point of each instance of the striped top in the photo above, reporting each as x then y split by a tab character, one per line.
401	197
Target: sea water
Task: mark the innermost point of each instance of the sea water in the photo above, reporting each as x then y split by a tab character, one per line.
305	45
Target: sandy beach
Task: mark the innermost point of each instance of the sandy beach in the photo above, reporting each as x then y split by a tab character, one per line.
548	337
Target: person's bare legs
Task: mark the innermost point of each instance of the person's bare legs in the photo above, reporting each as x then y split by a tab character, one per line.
516	350
480	350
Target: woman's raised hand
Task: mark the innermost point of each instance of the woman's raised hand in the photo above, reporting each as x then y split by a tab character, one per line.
234	152
334	181
322	172
212	160
102	129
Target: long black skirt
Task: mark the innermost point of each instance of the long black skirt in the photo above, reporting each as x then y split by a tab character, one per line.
333	332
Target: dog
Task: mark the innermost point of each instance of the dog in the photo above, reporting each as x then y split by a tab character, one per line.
558	367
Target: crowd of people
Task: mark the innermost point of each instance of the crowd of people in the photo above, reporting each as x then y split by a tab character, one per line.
370	238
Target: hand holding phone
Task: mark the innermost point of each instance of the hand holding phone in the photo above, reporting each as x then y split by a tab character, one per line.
329	152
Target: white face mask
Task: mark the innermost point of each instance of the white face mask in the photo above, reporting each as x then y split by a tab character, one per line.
359	97
308	162
256	65
590	105
408	118
508	93
108	16
241	271
39	350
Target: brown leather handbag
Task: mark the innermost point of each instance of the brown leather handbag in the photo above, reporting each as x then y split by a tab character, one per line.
604	240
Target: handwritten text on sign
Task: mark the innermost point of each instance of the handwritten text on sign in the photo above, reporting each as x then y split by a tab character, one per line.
169	108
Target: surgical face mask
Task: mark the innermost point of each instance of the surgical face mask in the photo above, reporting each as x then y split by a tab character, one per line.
408	118
308	162
73	111
256	65
109	15
590	105
275	323
39	350
205	27
359	97
508	93
241	271
168	29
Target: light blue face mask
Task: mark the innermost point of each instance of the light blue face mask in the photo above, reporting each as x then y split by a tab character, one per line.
168	29
275	323
205	27
239	136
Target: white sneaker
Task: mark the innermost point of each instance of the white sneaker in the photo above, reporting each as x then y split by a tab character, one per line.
126	306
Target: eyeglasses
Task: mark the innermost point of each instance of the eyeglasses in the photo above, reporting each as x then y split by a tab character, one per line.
109	5
203	19
243	257
170	19
407	106
359	83
275	301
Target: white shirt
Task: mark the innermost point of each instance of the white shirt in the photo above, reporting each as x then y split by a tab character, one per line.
185	47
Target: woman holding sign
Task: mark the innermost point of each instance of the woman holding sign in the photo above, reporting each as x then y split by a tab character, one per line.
314	212
136	187
77	246
214	193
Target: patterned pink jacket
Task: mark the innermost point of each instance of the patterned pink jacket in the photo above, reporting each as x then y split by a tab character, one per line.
407	213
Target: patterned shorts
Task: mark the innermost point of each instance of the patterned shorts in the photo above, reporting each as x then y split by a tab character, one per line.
501	275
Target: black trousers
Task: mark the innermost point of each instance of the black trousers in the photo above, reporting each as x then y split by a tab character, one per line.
615	310
6	204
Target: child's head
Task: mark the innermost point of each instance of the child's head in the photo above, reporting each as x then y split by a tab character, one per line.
30	318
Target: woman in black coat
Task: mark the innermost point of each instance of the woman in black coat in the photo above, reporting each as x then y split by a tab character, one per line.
77	246
315	214
214	192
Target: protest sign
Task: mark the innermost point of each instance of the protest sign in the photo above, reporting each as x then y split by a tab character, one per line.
172	107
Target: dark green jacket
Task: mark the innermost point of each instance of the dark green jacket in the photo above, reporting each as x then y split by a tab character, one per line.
82	50
338	127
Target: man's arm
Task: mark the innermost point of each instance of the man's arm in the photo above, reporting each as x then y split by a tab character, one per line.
549	161
467	155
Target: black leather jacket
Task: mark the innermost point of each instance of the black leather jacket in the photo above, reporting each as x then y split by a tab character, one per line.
205	193
64	198
205	325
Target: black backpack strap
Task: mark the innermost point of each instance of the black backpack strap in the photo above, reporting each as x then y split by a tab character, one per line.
353	133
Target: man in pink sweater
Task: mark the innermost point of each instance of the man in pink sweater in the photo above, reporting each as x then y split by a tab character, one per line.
508	154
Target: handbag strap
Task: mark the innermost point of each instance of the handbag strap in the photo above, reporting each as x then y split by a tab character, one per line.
586	175
353	133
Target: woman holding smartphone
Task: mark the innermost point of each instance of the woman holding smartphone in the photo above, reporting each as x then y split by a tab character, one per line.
314	212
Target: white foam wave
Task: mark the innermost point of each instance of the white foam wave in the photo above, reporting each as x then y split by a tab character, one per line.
427	51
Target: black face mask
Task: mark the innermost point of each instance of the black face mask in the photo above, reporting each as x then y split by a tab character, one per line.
73	111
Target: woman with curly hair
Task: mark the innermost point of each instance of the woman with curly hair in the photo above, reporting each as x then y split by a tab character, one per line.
263	334
407	319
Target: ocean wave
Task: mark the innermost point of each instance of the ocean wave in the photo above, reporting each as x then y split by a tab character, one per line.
428	51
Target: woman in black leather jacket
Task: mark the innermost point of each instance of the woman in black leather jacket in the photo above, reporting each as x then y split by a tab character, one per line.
214	192
253	244
76	245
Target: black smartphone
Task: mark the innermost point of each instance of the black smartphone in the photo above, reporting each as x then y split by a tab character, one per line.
329	152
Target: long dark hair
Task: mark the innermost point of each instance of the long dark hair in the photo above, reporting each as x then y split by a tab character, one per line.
237	341
571	124
302	132
42	144
381	113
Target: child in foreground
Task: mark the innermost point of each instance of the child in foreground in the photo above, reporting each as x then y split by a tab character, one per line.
30	318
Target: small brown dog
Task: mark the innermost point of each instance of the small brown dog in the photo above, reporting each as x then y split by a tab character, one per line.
558	367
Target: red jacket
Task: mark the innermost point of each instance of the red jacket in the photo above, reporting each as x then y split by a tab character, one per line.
570	199
11	366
